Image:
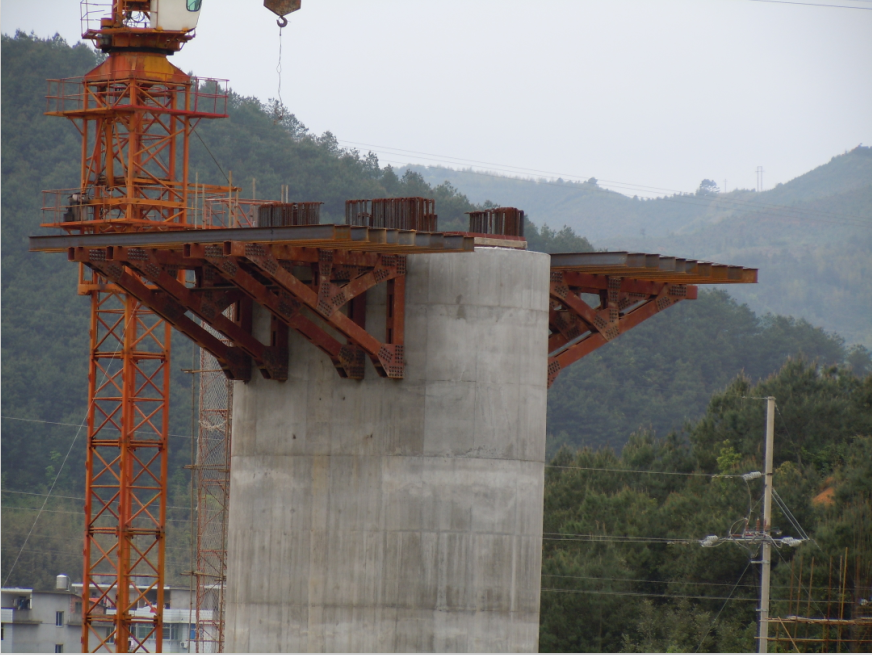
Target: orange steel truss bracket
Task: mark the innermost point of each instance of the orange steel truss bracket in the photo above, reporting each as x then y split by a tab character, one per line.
316	292
577	328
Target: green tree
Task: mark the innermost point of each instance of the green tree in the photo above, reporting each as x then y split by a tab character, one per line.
622	568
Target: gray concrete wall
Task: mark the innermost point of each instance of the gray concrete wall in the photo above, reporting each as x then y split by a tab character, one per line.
389	515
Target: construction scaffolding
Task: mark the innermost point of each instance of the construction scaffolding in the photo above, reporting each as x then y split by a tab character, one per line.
829	609
212	475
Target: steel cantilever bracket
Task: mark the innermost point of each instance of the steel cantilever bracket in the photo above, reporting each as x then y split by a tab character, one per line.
241	274
577	328
328	298
233	360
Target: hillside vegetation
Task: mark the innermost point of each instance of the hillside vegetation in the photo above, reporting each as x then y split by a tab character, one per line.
662	373
623	569
811	237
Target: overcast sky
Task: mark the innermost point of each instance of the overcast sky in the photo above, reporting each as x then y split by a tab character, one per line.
659	93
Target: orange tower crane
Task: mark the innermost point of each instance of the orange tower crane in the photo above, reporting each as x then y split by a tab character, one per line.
136	113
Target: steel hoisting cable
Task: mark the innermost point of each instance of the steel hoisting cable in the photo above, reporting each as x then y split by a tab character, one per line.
214	159
75	425
280	105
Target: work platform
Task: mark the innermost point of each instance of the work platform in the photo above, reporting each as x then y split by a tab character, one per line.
314	278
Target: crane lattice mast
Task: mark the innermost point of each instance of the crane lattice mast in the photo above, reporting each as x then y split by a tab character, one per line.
136	113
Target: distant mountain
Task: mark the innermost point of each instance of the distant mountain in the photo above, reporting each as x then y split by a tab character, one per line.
604	215
811	237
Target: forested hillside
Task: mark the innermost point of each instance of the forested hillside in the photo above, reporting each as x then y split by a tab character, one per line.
605	215
662	373
622	531
678	381
811	237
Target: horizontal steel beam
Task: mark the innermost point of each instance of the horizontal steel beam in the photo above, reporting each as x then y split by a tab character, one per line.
344	237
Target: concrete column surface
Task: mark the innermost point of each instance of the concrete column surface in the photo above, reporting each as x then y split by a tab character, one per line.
400	515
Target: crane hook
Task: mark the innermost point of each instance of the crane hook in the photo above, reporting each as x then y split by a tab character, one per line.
282	22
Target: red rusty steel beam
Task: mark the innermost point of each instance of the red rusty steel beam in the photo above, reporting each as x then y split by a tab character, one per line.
596	339
235	363
304	254
562	293
624	304
591	283
340	294
568	326
149	267
271	361
286	308
395	323
221	298
386	357
284	296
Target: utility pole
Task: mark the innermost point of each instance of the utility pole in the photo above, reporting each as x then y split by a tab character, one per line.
766	551
759	178
762	536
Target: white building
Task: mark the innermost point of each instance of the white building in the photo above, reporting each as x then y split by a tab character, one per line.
41	621
51	621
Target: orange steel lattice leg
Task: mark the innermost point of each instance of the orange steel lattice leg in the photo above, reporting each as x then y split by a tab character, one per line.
126	469
136	113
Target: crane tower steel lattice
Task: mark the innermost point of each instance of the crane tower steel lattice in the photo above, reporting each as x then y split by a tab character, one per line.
136	113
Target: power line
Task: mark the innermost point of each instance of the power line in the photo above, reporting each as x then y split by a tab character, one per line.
49	536
62	511
31	493
635	593
554	466
677	582
812	4
800	586
688	199
615	538
63	463
75	425
608	470
79	552
726	600
211	155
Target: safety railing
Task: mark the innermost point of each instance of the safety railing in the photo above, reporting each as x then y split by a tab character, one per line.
196	97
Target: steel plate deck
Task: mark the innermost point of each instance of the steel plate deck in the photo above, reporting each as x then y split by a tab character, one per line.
645	266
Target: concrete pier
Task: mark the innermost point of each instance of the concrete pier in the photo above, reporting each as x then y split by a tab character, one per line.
400	515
